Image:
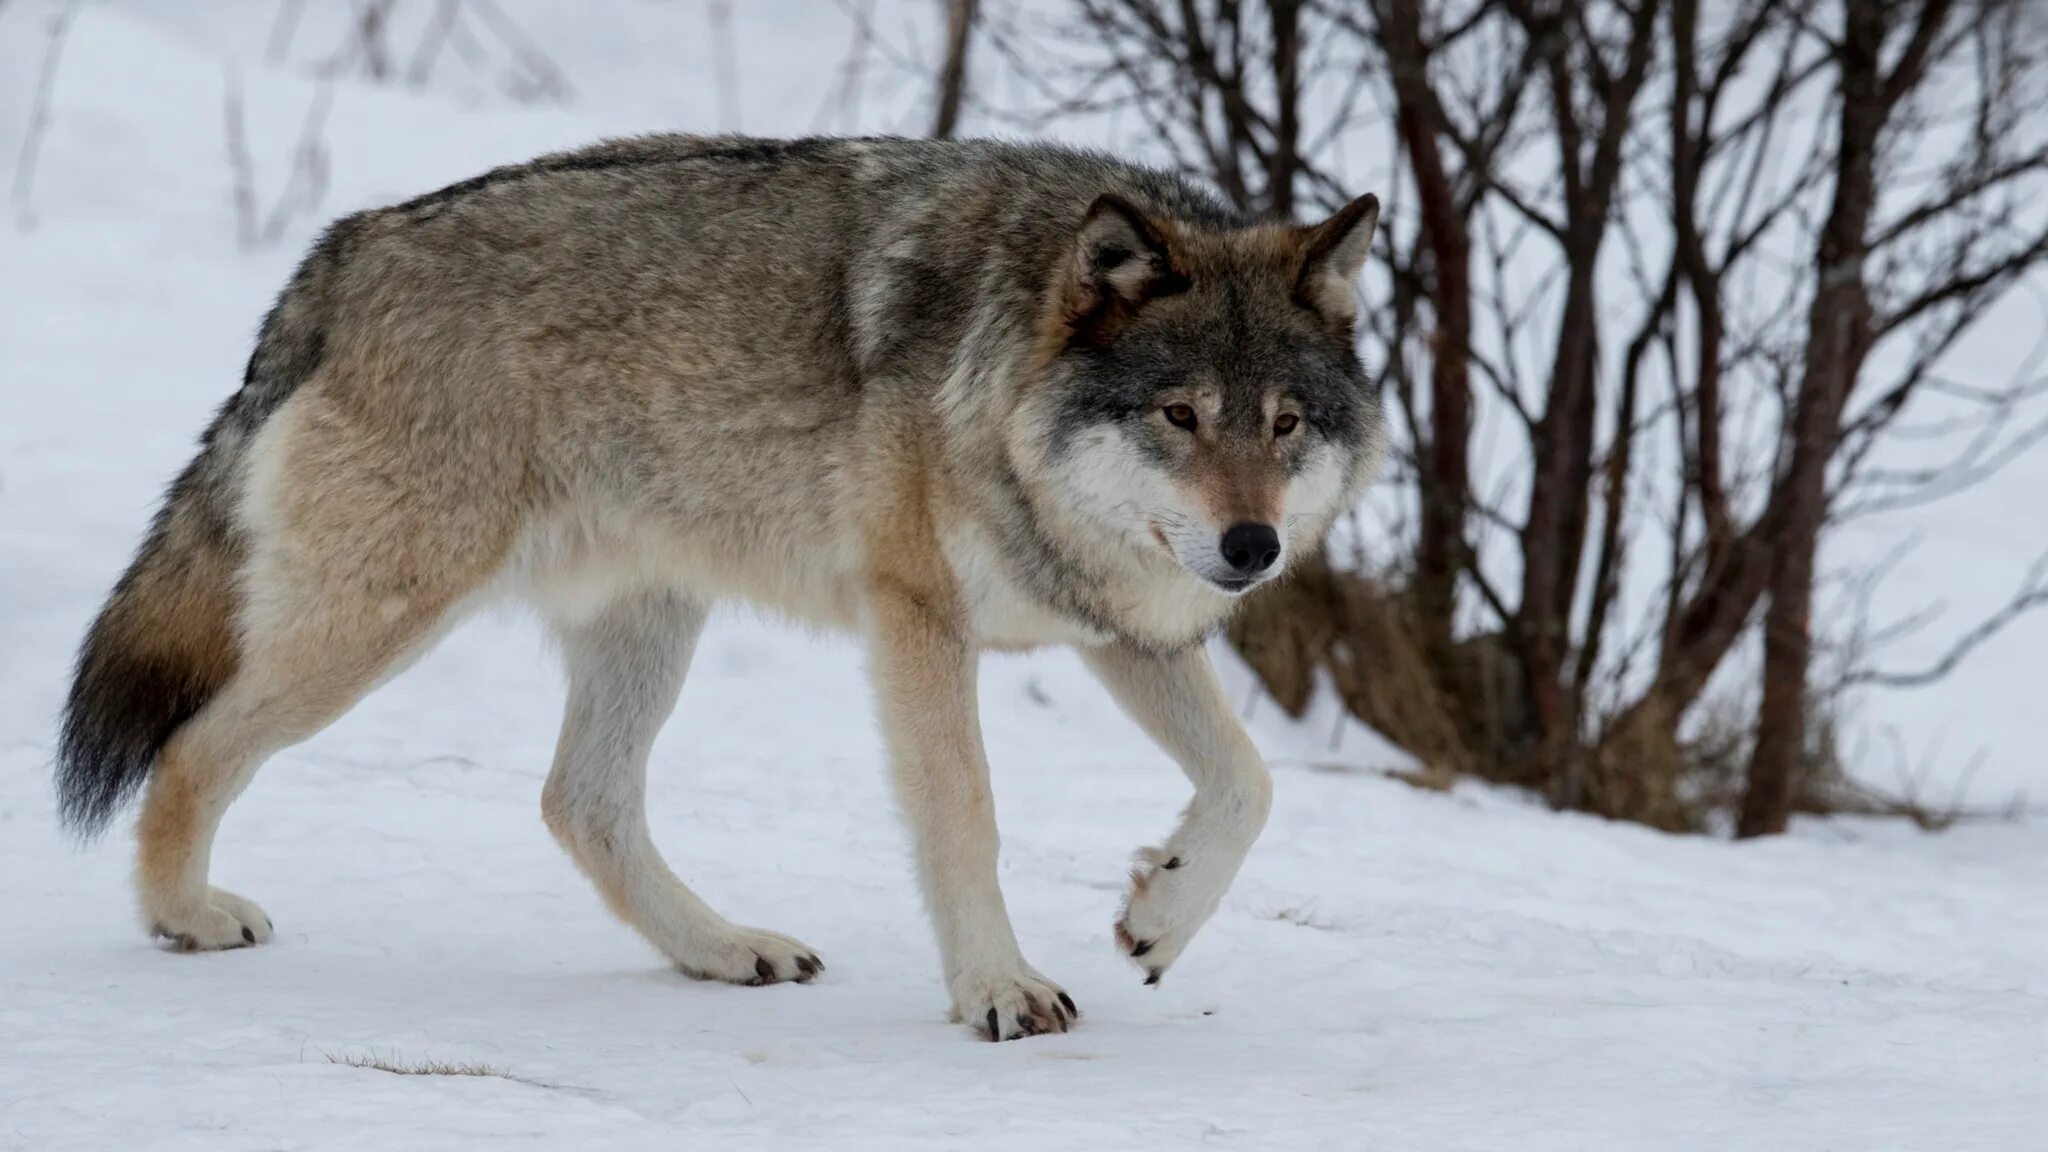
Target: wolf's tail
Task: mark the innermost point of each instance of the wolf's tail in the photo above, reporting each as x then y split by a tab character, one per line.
162	646
166	641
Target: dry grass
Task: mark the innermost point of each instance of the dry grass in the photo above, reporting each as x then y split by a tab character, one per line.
1467	714
1320	618
397	1066
1639	770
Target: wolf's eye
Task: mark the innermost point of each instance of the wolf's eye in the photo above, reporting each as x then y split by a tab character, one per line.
1285	424
1180	416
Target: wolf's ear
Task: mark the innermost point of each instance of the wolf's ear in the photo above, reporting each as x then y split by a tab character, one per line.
1333	253
1120	260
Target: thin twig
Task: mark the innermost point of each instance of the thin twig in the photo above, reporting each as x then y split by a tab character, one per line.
39	116
724	64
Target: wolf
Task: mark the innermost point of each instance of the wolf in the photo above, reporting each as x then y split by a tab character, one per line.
946	396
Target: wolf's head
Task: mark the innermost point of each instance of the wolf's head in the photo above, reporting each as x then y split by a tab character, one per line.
1203	397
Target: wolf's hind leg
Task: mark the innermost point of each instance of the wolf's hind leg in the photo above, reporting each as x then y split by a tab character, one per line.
1176	887
626	668
298	674
363	538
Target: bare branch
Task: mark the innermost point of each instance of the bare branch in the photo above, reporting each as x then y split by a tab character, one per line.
287	24
2032	594
307	184
960	20
39	116
724	63
542	81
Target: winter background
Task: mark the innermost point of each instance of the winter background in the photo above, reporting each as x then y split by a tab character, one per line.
1395	969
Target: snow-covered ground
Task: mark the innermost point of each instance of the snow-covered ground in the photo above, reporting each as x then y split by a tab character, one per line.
1395	969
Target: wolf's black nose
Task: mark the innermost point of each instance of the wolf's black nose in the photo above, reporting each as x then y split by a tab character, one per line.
1251	548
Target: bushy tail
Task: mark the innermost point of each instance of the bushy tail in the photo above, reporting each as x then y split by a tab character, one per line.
160	649
166	641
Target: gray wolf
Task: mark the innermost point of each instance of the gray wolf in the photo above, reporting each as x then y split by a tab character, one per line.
946	396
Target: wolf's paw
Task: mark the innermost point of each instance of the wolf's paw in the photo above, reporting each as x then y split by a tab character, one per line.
1171	897
1012	1003
751	956
223	920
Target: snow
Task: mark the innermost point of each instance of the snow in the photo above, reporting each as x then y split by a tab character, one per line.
1395	969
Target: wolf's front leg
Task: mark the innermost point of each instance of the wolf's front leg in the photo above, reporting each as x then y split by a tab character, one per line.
924	666
1176	887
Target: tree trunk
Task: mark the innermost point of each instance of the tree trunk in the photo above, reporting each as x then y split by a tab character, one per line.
1838	337
1286	157
953	72
1703	279
1554	534
1444	480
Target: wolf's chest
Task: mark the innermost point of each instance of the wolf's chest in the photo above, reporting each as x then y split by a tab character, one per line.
1002	613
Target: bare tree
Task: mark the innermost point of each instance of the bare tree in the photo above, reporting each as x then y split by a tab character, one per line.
1845	323
1704	264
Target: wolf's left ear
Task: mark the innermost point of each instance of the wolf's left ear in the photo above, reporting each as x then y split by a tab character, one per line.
1333	254
1120	260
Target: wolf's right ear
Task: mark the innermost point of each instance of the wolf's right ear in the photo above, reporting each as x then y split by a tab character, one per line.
1333	254
1120	260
